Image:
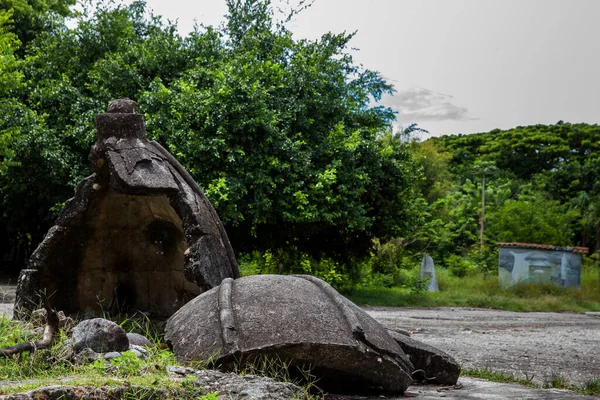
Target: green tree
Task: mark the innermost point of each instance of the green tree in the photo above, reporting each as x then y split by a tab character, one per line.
436	180
48	124
10	80
10	76
551	162
282	134
32	17
533	219
588	205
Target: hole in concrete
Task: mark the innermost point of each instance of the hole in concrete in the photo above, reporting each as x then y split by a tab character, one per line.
133	256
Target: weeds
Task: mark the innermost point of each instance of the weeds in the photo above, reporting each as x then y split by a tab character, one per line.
555	381
281	371
494	376
592	386
143	377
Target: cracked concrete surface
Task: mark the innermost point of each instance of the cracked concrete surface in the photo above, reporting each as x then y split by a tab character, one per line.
536	346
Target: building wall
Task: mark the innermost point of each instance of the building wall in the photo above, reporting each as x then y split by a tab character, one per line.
516	264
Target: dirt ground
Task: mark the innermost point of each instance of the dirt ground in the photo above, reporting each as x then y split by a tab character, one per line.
535	346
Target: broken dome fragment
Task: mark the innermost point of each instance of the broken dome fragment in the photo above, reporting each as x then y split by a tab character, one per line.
299	320
138	234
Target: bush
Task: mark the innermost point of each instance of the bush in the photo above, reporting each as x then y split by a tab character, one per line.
485	259
420	285
291	261
458	266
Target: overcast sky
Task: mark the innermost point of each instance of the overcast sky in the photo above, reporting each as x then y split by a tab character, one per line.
459	66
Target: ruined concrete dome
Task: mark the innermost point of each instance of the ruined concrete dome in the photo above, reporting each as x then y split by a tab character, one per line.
139	234
296	320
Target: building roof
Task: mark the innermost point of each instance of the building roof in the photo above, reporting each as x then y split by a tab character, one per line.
583	250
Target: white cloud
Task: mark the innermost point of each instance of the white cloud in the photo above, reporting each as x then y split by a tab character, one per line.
417	104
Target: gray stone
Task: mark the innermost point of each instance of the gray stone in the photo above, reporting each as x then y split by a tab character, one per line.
100	335
64	321
111	355
247	387
296	319
176	370
63	392
431	364
139	234
428	271
232	386
479	389
400	331
139	351
592	313
26	294
86	356
139	340
122	106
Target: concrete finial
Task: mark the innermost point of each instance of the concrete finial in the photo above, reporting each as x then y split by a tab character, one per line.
122	106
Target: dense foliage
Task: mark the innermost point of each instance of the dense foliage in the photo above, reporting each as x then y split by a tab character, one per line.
540	187
282	134
286	138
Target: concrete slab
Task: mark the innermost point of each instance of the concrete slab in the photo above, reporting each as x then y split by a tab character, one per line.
6	310
481	389
593	313
7	293
536	345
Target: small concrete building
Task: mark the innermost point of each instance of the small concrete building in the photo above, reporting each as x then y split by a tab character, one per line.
528	262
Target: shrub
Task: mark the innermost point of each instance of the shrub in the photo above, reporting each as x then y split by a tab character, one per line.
458	266
485	259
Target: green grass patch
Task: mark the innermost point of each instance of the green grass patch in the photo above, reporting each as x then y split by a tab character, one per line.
494	376
592	387
125	377
143	378
481	290
557	381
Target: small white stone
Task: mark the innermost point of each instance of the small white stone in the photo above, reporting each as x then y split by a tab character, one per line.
96	186
111	355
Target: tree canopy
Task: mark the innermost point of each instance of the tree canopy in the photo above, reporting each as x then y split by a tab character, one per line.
282	134
544	188
285	136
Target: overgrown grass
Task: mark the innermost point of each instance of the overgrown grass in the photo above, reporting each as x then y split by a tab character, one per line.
281	371
494	376
48	365
479	290
142	378
556	381
53	362
126	377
